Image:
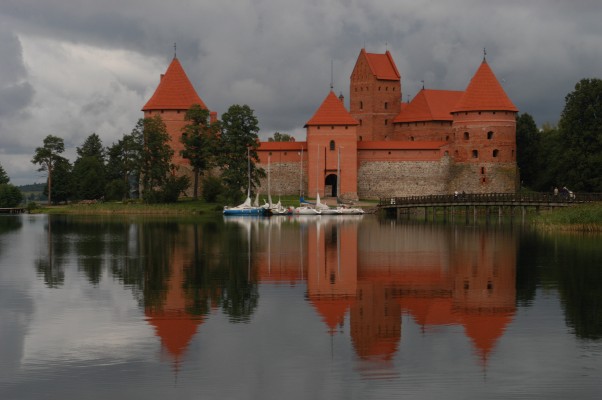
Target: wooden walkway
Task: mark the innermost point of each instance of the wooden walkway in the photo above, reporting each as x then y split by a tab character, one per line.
490	202
13	210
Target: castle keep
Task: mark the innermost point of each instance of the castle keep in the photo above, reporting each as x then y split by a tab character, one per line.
439	142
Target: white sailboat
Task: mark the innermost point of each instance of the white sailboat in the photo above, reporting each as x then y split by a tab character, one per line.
246	208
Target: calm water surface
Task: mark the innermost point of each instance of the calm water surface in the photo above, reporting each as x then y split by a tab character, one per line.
318	308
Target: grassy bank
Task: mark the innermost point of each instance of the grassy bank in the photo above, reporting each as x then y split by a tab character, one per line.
182	207
187	206
582	218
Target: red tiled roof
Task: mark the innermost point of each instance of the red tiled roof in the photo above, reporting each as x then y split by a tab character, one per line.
175	92
484	93
430	105
332	112
382	66
400	145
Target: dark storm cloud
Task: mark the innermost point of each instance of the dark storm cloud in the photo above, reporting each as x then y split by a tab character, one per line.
276	56
15	92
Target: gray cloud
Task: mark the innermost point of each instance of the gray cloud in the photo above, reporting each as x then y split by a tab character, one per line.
90	67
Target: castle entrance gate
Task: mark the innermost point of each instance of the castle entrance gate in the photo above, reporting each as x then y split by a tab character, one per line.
330	185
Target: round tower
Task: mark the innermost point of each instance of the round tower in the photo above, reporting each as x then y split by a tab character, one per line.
484	132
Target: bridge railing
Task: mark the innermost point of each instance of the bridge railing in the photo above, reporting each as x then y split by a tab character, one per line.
476	198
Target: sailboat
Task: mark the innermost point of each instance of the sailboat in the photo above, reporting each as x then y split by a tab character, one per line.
278	208
247	208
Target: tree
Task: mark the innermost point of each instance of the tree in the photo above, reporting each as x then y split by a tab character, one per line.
199	137
10	195
47	156
62	188
528	148
124	159
580	130
281	137
3	176
89	172
159	184
239	138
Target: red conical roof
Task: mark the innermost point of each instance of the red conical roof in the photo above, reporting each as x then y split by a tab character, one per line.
430	105
484	93
175	92
332	112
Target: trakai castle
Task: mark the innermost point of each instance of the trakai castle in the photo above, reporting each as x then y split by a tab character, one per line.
439	142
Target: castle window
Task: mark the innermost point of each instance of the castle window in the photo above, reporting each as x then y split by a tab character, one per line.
466	136
270	153
361	138
332	127
411	138
386	105
496	152
332	145
479	113
360	122
379	88
393	88
318	127
482	170
490	135
346	127
361	105
447	138
475	154
389	153
386	122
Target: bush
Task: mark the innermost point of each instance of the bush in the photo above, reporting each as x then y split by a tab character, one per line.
116	190
212	188
10	195
170	192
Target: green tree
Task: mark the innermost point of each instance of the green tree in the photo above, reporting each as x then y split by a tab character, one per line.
10	195
580	130
47	156
281	137
159	183
123	166
528	147
3	176
89	172
62	188
238	146
199	137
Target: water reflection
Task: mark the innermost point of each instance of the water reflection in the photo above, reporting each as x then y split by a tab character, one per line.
363	277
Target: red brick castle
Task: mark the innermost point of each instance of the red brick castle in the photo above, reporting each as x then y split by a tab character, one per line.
439	142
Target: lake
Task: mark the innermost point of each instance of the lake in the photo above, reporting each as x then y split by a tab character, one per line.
330	307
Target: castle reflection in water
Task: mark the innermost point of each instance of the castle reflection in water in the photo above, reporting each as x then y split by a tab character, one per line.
365	271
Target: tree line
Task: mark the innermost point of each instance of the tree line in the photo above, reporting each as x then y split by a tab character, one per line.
139	165
570	154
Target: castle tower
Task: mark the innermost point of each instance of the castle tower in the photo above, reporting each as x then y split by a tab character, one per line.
484	129
375	95
172	98
332	146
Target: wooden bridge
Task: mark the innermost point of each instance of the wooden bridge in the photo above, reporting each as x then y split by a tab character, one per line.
489	202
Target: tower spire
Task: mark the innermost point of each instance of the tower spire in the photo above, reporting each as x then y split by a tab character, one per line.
175	48
484	54
331	75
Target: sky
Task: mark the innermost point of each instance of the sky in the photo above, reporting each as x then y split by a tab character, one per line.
71	68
